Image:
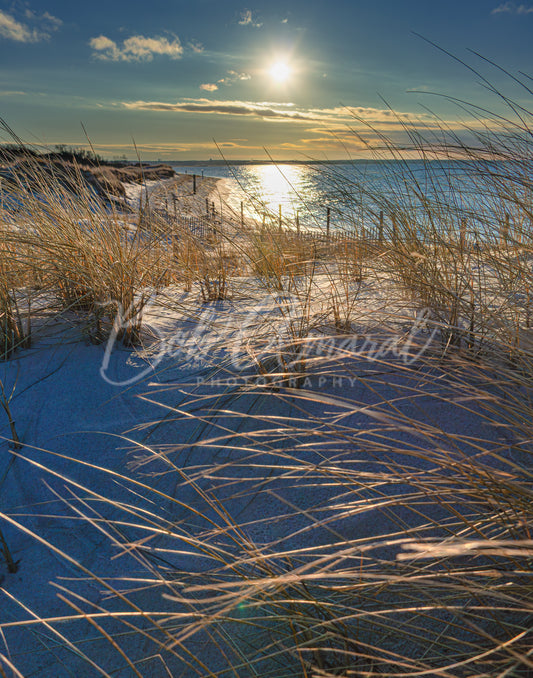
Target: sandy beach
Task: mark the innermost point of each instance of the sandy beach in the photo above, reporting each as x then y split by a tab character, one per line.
176	195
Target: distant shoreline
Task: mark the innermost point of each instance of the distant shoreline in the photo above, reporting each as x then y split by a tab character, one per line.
224	163
232	163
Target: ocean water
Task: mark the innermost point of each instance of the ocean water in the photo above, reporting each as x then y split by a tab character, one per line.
355	193
265	189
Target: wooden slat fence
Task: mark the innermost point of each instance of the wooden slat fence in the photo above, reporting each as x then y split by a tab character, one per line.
385	230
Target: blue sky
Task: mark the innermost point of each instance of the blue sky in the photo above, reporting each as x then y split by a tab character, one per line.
178	76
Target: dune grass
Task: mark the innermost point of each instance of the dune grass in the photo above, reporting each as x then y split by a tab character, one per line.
380	529
84	257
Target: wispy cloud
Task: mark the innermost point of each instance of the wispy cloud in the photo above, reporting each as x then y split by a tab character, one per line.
247	19
135	48
285	104
240	108
512	8
37	27
285	112
46	18
231	77
170	149
11	93
196	47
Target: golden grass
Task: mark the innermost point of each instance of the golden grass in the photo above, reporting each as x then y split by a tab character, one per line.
91	259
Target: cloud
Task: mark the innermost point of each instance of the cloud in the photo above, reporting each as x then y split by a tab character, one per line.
240	108
107	48
286	104
248	20
136	48
10	93
196	47
512	8
321	118
170	149
232	77
46	17
12	29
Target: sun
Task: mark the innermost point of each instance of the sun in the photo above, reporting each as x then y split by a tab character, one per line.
280	71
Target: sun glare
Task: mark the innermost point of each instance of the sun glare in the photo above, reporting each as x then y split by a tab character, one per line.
280	71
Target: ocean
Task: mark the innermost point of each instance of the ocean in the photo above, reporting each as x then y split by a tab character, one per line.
354	193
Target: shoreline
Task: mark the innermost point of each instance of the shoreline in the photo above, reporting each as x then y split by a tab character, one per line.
178	193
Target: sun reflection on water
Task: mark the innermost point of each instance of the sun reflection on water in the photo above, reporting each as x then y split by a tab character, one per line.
298	189
294	187
280	184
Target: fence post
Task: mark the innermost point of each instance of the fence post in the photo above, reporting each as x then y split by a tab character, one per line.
528	307
297	222
174	231
380	231
194	184
504	233
280	220
462	235
207	206
175	201
394	231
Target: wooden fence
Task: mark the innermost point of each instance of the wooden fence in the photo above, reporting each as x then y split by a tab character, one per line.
385	230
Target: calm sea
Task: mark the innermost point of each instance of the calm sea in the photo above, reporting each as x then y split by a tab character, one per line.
355	193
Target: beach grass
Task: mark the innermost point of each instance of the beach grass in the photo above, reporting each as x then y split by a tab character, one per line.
88	259
380	530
